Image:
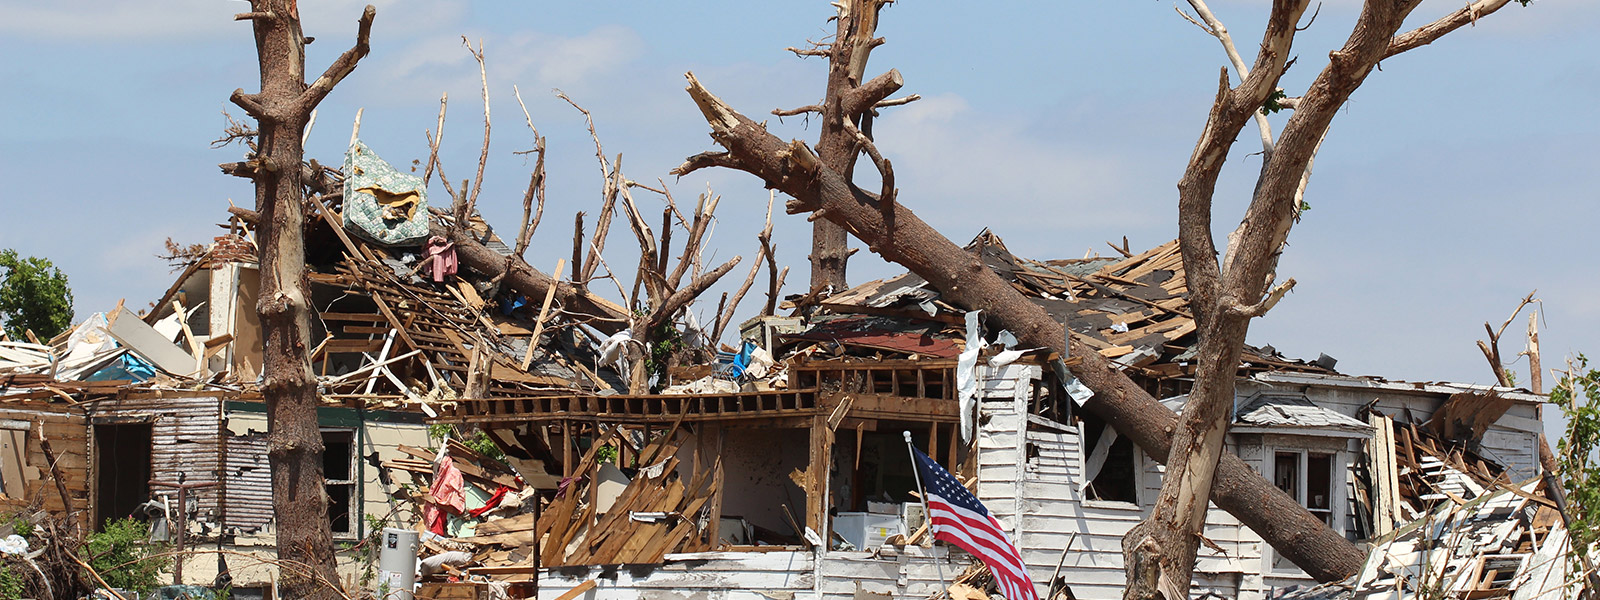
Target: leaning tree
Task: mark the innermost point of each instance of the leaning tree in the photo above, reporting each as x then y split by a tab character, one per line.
1225	296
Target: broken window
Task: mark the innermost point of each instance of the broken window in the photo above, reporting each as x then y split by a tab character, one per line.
1308	478
338	469
1109	463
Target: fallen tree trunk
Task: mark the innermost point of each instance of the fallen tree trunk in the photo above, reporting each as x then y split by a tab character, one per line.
579	304
898	235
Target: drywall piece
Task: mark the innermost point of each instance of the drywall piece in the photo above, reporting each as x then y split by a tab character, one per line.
145	341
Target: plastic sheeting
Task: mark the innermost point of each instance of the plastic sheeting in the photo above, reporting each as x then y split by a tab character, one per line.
967	376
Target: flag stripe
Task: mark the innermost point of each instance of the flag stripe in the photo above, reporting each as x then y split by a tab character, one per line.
988	526
983	549
957	517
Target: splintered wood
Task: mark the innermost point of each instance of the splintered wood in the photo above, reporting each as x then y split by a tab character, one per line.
656	513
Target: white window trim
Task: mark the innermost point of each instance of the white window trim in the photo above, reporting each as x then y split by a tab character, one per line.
1337	503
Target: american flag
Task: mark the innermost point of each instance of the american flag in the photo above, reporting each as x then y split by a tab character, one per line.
959	518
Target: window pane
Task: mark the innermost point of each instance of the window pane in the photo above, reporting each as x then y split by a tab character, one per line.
1286	473
336	449
339	507
1319	481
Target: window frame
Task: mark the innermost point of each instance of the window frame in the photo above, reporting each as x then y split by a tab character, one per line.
1337	504
353	483
1084	480
16	429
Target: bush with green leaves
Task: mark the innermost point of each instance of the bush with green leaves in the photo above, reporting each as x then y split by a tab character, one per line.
33	296
1578	452
124	558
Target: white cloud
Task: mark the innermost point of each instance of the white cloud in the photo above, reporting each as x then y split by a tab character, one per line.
532	60
957	162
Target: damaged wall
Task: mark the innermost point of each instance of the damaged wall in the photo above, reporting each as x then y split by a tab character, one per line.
368	432
185	439
757	477
1037	475
20	424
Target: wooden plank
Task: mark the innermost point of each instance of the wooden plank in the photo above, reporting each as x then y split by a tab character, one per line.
544	312
577	591
394	321
148	343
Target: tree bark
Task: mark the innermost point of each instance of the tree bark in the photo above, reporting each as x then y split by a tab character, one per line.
579	304
1226	297
845	104
898	235
294	443
1170	538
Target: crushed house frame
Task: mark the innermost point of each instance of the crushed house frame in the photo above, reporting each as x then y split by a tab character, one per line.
789	480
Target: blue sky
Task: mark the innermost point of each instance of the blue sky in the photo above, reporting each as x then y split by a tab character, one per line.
1458	179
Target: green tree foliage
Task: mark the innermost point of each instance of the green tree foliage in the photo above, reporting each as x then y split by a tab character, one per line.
1578	395
33	295
121	556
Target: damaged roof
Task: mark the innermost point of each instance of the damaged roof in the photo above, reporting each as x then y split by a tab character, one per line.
1294	411
1133	309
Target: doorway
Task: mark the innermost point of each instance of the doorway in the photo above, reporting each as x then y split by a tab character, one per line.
122	469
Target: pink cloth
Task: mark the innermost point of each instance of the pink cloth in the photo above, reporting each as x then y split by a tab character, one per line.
441	257
447	494
447	485
433	517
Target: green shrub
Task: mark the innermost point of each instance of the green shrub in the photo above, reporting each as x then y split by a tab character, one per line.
1578	395
123	557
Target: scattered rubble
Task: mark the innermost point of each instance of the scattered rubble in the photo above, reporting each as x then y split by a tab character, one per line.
505	427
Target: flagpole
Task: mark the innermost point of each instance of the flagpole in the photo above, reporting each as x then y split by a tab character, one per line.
927	516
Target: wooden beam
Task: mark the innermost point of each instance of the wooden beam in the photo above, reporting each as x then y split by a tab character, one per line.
817	476
544	311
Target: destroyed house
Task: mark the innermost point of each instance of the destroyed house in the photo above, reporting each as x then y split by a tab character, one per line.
777	470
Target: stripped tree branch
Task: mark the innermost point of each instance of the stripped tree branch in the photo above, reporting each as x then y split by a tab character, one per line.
433	141
483	155
1426	34
536	185
343	66
809	108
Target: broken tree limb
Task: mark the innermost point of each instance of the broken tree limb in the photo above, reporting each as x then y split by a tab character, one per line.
964	280
601	314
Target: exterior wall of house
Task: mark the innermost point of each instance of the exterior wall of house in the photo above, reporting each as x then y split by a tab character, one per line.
909	572
381	432
65	426
185	440
1512	441
248	504
1032	467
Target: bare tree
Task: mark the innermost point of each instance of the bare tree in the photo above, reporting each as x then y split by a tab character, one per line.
1225	296
294	442
1228	295
847	107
